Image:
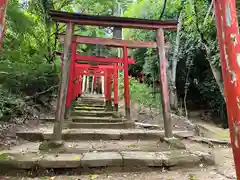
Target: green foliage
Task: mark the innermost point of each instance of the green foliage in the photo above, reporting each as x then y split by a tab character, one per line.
140	93
197	29
24	72
9	103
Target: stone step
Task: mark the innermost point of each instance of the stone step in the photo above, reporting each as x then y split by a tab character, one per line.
93	113
112	125
174	158
89	108
92	101
97	146
80	119
80	104
94	134
94	98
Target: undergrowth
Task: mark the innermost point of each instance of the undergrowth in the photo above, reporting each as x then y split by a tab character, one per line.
23	85
140	93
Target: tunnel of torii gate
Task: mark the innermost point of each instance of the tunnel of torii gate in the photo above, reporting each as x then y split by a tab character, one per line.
77	80
70	41
81	71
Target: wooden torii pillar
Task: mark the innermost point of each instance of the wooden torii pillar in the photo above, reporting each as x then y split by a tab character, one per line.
229	42
71	85
3	8
61	102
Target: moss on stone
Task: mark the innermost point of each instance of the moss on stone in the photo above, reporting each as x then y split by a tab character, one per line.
4	156
51	146
175	143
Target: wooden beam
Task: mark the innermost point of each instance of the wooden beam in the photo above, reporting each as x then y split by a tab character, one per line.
103	60
113	42
98	67
109	61
111	21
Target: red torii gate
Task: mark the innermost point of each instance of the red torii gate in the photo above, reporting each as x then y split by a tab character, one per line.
125	60
73	18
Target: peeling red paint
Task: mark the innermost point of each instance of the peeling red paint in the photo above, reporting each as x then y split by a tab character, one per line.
228	38
3	5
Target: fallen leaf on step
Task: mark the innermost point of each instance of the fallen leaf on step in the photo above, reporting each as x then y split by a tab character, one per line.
132	145
93	176
76	158
52	178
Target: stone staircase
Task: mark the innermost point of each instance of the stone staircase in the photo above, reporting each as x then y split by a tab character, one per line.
96	138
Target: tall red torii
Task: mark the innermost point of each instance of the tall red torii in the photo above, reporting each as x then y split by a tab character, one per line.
3	7
229	42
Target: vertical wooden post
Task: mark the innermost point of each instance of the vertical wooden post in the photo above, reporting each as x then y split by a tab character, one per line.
106	88
71	85
83	84
229	42
99	84
3	7
126	83
80	85
164	84
109	95
103	85
59	118
87	86
92	88
94	84
115	82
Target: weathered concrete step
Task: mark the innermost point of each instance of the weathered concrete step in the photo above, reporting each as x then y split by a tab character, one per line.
175	158
89	119
117	125
98	146
92	101
93	113
99	98
89	108
95	134
80	104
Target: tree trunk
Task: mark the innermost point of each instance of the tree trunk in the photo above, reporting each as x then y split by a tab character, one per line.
173	90
117	31
216	72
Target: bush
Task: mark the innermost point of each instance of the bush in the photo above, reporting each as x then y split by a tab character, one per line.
20	84
141	93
